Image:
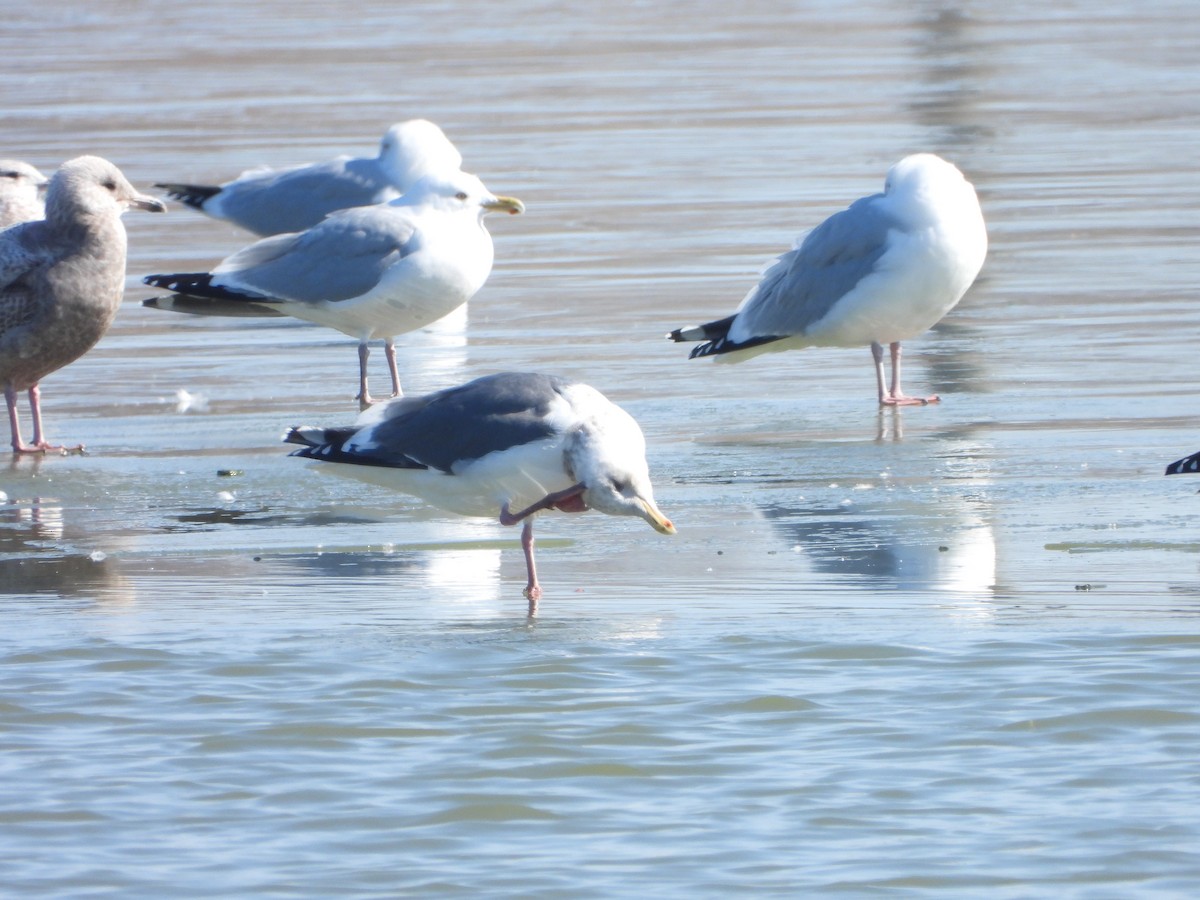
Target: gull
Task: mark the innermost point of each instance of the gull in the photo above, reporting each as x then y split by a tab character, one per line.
61	281
277	201
20	192
512	440
884	270
370	272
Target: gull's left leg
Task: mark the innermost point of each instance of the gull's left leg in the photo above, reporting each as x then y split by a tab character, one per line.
389	350
364	394
533	590
895	397
40	444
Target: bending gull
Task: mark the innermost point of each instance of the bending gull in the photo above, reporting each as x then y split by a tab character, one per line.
884	270
20	192
534	442
371	272
61	281
270	201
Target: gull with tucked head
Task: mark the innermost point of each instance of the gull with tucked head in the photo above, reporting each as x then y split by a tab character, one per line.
371	272
277	201
884	270
515	443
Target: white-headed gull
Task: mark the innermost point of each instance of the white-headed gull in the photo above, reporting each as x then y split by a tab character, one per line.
515	444
884	270
371	272
278	201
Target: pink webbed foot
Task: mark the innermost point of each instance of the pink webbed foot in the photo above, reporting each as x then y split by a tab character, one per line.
904	400
44	447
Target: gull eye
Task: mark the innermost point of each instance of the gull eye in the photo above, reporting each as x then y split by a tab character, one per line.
109	184
461	195
620	486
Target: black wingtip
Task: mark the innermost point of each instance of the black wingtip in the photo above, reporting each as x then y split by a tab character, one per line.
179	282
302	435
1189	465
193	195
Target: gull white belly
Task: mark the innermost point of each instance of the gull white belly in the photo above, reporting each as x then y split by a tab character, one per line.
519	476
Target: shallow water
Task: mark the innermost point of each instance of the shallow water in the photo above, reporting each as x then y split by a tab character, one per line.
941	651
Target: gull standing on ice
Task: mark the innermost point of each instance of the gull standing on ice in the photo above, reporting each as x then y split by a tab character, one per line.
277	201
884	270
20	192
61	281
370	272
534	442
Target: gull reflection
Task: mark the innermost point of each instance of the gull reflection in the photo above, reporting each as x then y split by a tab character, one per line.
947	99
884	550
450	562
39	556
36	519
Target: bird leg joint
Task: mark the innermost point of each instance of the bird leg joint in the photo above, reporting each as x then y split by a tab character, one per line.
569	500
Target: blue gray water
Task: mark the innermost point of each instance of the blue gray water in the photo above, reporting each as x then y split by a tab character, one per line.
946	651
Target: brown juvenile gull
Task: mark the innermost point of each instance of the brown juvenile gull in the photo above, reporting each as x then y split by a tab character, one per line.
20	192
370	272
277	201
61	281
515	439
884	270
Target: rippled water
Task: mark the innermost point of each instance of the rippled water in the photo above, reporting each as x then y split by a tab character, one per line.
940	651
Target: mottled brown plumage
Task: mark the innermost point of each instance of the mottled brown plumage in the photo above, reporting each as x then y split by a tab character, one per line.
61	280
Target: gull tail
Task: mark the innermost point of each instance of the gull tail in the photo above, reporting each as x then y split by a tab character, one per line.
715	336
1189	464
197	295
329	445
712	333
319	443
193	195
307	436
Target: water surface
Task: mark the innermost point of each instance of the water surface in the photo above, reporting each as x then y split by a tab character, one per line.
940	651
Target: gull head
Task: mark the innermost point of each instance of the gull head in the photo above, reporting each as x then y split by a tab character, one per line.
923	190
21	178
457	192
90	186
413	149
608	455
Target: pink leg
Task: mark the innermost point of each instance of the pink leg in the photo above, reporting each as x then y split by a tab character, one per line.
508	517
35	412
389	350
14	420
895	397
40	444
880	380
533	590
364	395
